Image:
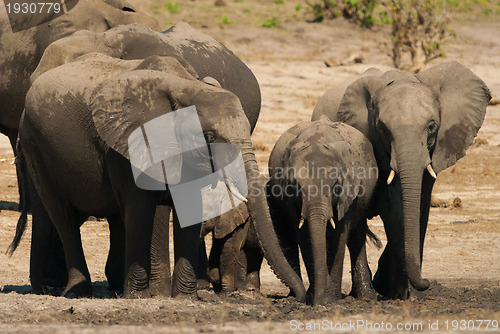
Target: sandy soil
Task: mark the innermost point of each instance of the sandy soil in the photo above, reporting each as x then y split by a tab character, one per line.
462	244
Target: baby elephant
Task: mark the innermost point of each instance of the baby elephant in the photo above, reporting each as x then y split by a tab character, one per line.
236	256
322	172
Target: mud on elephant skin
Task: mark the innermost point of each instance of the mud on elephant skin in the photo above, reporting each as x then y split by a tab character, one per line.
418	125
198	53
21	51
109	99
236	256
322	172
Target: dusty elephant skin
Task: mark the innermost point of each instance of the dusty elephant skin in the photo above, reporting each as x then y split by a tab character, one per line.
110	98
236	256
20	52
322	171
418	125
204	59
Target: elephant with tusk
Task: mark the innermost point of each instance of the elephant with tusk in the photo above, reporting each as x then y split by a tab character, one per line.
418	125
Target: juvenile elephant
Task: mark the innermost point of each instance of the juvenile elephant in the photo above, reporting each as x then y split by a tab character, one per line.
418	125
320	172
74	135
236	256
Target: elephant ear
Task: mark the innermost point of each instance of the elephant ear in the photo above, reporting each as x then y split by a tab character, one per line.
132	115
330	101
230	220
357	102
463	99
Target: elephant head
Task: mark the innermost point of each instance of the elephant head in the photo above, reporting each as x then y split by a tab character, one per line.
316	166
134	98
417	124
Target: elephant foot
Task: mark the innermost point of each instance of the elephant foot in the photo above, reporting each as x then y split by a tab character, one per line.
188	296
78	285
136	294
325	299
79	290
252	282
39	289
364	293
388	287
115	287
202	284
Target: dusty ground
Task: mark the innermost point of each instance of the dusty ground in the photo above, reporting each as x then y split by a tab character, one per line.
461	255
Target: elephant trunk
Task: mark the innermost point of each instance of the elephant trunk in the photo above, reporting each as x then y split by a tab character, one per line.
317	228
259	210
410	173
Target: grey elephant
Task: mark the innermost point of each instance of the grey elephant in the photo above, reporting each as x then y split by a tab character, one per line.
320	172
236	255
203	57
79	162
20	52
418	125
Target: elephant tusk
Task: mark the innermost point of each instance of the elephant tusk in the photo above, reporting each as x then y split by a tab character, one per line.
431	171
301	222
235	192
332	222
391	176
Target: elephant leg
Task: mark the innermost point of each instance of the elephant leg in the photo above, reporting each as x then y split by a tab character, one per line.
115	264
213	271
79	284
360	271
186	248
391	279
286	227
230	254
201	272
304	240
139	214
254	257
160	282
55	273
337	239
47	263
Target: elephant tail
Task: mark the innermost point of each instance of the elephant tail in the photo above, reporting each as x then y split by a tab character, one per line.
23	219
373	237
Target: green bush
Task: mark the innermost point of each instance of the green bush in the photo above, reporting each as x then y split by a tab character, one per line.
172	7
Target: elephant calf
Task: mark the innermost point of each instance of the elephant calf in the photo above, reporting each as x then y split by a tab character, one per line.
324	172
236	256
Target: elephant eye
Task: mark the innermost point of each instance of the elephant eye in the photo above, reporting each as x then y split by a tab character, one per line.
431	127
209	136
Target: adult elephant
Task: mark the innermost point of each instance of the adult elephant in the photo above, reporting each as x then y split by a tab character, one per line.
200	54
94	104
418	125
320	172
21	51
